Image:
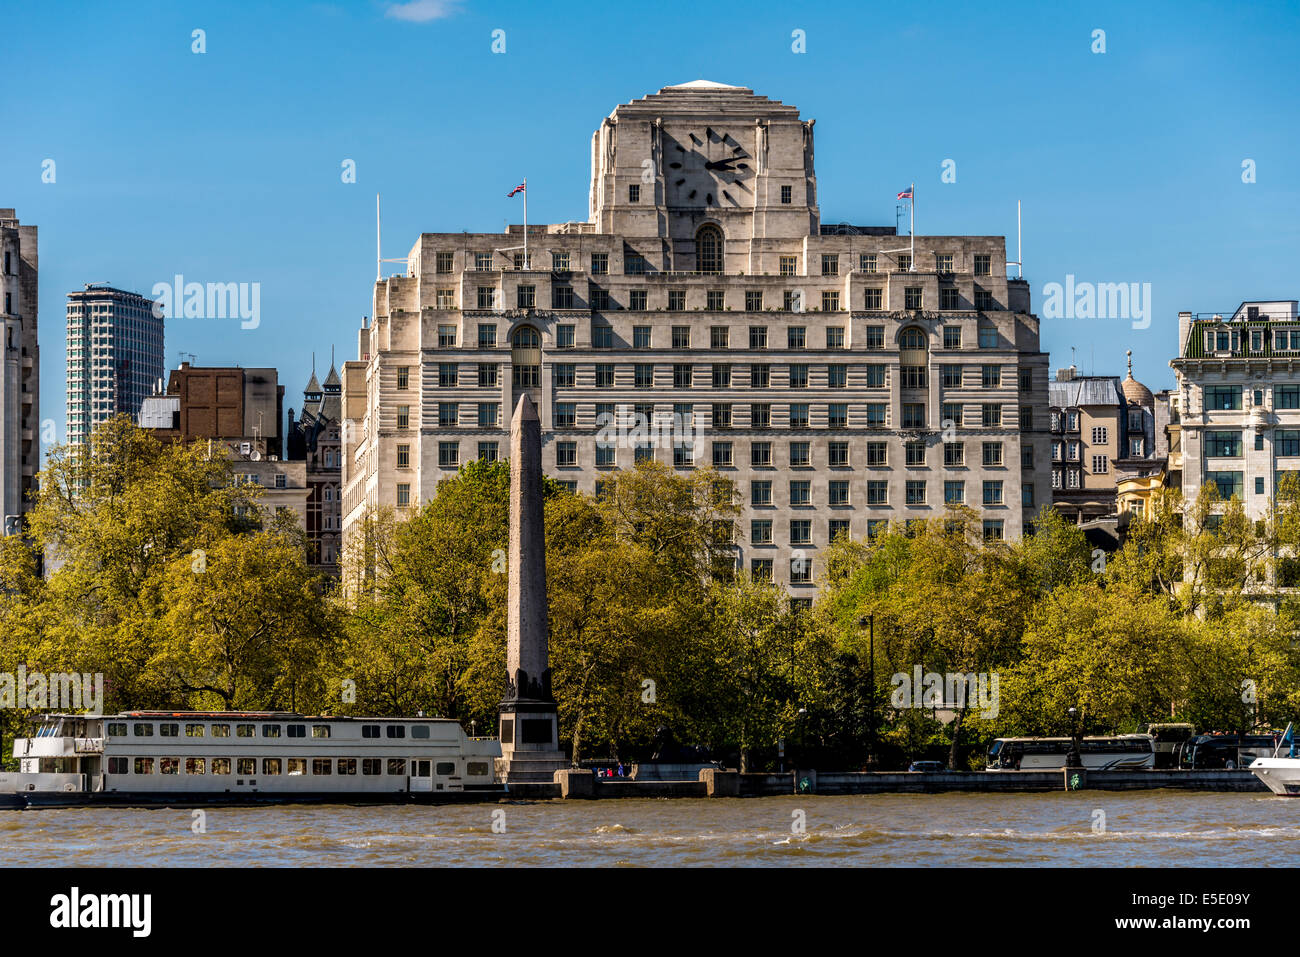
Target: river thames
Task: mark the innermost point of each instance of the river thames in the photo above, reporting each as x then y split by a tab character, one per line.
1151	828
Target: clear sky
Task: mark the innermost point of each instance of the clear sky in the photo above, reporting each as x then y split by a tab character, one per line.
226	166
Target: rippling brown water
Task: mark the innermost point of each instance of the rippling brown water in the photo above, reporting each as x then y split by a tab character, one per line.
1151	828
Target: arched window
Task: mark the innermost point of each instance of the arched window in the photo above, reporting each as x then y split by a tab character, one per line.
912	339
708	249
526	337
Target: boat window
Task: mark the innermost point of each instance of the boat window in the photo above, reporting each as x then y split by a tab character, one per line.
419	730
396	731
320	765
196	765
297	765
144	765
370	766
297	731
194	731
320	730
476	769
244	731
246	765
347	765
117	730
119	765
370	731
221	730
397	765
221	766
169	730
143	731
270	766
446	768
270	730
169	765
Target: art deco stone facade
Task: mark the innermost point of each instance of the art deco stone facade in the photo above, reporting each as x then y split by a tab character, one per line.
843	376
19	371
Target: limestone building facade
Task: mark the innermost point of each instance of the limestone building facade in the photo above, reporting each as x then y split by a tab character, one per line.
1239	401
20	394
705	315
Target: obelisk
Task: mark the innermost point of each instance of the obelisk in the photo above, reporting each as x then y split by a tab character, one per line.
529	734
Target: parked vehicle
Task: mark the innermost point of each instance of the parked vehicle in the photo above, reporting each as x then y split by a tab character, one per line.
1122	751
1169	740
1227	751
926	766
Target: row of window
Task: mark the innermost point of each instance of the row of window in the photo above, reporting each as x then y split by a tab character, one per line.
915	492
1232	484
874	376
1227	443
1225	340
635	263
168	729
1224	398
271	767
682	337
638	300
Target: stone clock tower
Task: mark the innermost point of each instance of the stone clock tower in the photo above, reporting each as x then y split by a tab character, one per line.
705	154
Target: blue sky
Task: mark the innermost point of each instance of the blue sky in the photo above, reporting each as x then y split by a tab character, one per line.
225	166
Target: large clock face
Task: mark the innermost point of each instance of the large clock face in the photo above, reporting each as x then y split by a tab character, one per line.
708	167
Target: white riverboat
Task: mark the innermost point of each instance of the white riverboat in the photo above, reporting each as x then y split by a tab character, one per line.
141	758
1280	774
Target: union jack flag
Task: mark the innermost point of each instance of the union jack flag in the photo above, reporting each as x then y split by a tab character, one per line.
518	189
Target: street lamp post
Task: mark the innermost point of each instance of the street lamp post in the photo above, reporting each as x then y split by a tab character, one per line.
869	622
1073	759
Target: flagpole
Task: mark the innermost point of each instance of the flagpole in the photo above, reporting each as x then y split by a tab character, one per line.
525	222
912	206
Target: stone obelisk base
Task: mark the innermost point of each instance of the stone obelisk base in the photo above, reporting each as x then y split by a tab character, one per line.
530	751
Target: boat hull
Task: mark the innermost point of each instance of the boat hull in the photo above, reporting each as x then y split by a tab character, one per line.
1280	775
158	799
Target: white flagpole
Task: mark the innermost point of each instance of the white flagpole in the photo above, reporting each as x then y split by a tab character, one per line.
525	222
378	249
912	206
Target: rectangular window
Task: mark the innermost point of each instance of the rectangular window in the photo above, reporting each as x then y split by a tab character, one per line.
1100	464
992	456
876	415
990	415
874	298
566	454
913	377
403	377
913	415
800	492
448	455
983	264
721	375
837	376
448	415
760	531
722	415
714	300
912	297
993	530
525	296
800	531
676	300
1287	443
830	264
915	492
1286	396
874	338
837	493
634	193
837	415
950	377
443	262
787	195
448	375
643	375
993	493
486	297
991	377
758	337
599	264
1222	444
403	494
876	376
760	455
760	493
914	454
867	262
566	415
838	454
719	336
636	300
403	416
954	492
760	376
753	300
835	335
565	375
1228	397
604	376
948	298
799	415
877	454
794	337
789	265
877	492
682	376
681	337
1228	483
799	376
760	415
989	337
722	455
403	456
640	337
446	337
